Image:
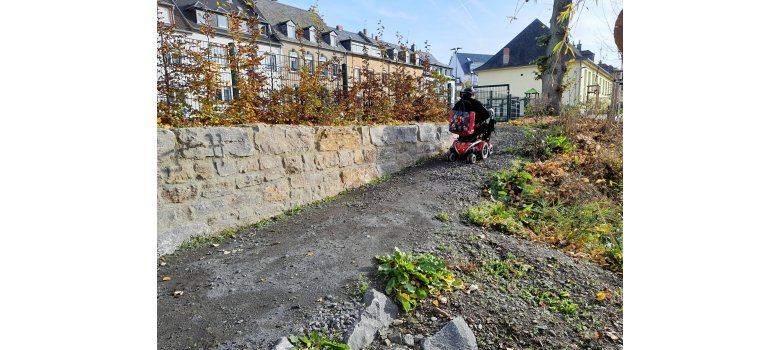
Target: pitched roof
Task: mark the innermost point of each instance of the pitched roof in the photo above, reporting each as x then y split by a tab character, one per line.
278	14
476	59
185	17
523	48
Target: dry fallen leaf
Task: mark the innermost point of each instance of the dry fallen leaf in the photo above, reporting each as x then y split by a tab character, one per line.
435	302
600	296
167	278
310	254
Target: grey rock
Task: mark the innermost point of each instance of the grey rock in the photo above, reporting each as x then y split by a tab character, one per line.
379	313
455	335
408	340
282	344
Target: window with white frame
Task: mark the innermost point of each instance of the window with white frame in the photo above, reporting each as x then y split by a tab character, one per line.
218	54
309	62
222	21
270	62
335	70
294	61
356	74
164	14
324	67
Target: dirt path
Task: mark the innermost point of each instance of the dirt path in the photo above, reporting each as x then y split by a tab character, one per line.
285	277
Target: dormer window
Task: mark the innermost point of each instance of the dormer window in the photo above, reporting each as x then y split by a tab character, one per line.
164	14
332	36
290	29
310	34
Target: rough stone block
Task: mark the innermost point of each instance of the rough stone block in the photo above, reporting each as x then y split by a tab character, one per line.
293	164
297	181
301	196
331	184
309	161
365	134
326	160
356	176
207	208
270	139
248	165
369	155
249	180
346	158
178	193
273	174
204	170
218	188
168	239
226	167
388	168
269	162
283	344
379	313
359	157
299	138
339	138
180	172
427	132
378	137
455	335
166	144
277	192
199	143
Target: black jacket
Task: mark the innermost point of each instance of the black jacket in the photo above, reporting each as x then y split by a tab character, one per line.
472	105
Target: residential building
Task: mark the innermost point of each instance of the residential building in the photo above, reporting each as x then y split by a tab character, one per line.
463	65
584	80
293	39
190	15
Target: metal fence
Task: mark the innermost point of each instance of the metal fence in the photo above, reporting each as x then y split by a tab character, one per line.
498	97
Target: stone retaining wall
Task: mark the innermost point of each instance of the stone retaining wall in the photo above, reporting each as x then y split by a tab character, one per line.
212	179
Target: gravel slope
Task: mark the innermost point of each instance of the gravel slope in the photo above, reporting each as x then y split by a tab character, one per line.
300	274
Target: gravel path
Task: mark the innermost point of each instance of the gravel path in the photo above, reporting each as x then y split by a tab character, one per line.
300	274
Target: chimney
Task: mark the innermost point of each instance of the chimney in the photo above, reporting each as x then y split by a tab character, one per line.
413	48
339	27
579	45
365	32
506	55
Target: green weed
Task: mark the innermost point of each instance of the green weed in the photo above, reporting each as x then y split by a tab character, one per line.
316	342
410	278
443	216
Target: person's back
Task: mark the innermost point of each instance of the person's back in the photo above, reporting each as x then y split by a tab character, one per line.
468	103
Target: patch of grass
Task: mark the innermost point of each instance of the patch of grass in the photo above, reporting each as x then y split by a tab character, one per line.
411	277
361	286
200	241
316	341
443	216
496	216
379	180
557	301
508	269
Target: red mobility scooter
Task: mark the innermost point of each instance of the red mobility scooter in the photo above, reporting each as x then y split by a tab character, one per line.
469	146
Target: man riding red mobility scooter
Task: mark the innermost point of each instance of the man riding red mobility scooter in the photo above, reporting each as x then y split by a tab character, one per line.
473	124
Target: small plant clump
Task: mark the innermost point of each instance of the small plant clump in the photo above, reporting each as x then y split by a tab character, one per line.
411	278
316	342
443	216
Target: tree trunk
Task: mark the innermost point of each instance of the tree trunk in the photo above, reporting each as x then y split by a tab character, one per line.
552	79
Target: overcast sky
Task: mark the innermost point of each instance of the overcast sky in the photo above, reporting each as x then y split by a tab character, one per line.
476	26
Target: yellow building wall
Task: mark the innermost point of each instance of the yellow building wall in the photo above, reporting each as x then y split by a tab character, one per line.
579	75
